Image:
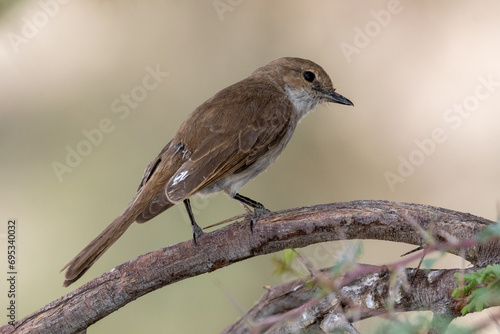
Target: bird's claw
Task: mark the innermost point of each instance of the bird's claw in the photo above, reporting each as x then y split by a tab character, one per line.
258	213
197	233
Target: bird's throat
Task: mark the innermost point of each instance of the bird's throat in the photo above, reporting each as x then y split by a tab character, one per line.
302	100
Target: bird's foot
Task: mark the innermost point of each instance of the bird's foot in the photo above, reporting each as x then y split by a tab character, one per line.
258	213
197	232
259	210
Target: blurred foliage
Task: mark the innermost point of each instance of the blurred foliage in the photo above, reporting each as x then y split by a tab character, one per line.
482	288
415	325
283	263
492	231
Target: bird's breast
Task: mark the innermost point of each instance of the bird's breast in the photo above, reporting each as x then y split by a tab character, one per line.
233	182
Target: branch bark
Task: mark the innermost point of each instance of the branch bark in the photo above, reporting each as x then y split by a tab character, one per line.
294	228
367	296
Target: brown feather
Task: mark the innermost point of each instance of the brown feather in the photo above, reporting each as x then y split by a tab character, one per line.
224	143
253	122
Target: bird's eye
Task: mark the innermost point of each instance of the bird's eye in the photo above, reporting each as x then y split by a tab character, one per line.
309	76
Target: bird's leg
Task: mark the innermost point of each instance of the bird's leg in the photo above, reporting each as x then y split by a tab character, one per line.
259	209
197	231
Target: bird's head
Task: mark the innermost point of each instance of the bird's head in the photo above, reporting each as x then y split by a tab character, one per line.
304	82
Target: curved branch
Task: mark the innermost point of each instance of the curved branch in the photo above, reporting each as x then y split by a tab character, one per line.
279	308
292	228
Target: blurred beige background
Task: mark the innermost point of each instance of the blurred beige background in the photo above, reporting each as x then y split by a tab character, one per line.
65	67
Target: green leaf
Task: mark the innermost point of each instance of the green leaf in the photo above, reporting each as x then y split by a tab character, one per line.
482	286
489	232
347	259
289	255
429	263
283	264
479	299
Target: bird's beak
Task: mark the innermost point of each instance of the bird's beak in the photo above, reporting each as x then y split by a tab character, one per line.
332	96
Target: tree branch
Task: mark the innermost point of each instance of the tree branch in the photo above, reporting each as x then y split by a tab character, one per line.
294	228
365	297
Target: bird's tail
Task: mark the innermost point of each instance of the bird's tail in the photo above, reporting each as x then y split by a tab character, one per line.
149	201
86	258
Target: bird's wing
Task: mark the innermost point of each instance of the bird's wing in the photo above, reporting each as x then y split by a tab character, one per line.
156	175
151	168
240	130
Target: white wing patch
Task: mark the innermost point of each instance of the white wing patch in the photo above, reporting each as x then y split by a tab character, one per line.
180	177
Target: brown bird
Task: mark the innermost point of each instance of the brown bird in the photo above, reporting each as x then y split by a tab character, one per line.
224	143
